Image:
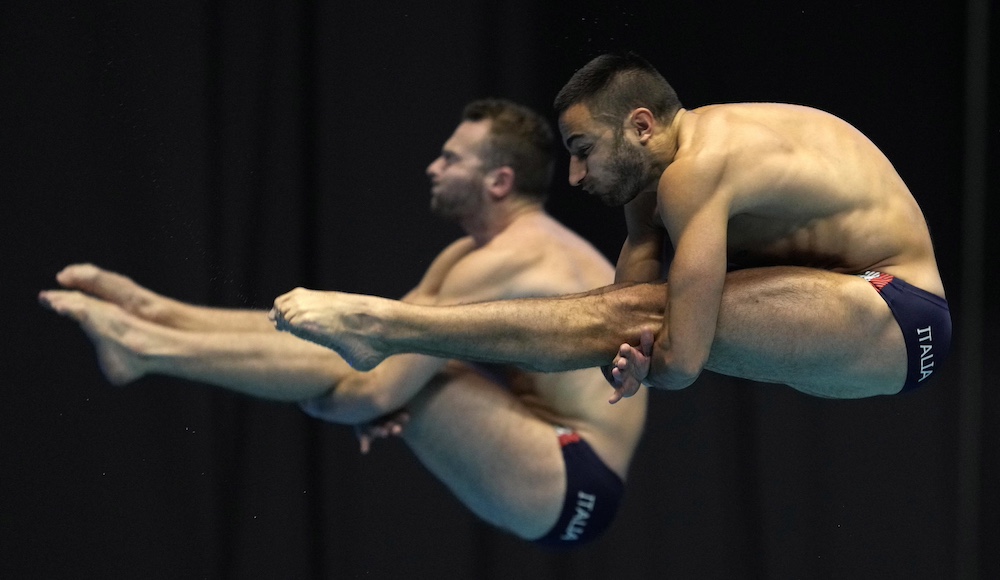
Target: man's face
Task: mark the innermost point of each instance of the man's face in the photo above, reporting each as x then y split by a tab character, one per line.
457	176
602	161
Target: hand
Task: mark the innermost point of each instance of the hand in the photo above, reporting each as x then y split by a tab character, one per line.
341	322
390	425
631	367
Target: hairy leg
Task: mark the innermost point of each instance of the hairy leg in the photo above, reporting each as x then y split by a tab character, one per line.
823	333
499	459
542	334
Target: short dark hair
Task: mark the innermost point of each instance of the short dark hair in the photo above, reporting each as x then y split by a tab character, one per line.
617	84
519	138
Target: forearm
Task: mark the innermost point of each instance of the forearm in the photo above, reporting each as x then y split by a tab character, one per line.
544	334
360	397
683	348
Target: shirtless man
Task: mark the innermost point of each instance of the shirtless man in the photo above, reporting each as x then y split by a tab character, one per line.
800	256
540	455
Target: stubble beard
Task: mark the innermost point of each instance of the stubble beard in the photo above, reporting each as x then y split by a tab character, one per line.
456	203
631	173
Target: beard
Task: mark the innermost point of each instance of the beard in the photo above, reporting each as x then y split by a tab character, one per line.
630	171
454	201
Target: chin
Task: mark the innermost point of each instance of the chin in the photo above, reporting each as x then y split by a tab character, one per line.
611	200
615	198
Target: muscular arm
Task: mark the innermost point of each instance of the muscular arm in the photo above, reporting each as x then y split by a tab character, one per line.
641	258
696	279
694	209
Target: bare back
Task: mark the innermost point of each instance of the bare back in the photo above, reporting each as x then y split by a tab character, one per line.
806	188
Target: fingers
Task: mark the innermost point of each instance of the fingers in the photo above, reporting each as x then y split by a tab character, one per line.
369	432
629	388
646	342
365	443
627	367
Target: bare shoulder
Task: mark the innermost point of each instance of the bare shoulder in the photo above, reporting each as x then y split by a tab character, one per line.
757	151
429	287
533	257
562	261
731	127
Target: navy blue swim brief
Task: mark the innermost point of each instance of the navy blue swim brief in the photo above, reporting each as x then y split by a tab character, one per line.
925	321
593	493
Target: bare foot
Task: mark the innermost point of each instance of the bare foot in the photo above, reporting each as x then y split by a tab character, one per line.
116	289
631	366
344	323
110	328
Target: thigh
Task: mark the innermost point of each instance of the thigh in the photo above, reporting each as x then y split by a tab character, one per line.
821	332
497	457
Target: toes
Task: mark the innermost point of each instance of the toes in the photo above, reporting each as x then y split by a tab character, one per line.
55	300
77	274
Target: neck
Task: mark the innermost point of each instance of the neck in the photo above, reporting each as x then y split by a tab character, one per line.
664	147
492	220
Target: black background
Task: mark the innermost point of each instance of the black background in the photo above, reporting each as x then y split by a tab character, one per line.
225	152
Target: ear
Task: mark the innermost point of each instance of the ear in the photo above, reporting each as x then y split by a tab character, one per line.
641	123
500	182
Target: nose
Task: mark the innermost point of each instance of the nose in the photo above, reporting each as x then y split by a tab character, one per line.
431	169
577	170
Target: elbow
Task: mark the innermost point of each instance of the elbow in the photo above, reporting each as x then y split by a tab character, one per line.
683	378
679	374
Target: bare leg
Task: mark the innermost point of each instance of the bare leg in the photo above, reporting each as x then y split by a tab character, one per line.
541	334
499	459
823	333
144	303
108	326
118	290
262	364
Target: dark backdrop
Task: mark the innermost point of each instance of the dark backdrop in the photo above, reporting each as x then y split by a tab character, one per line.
225	152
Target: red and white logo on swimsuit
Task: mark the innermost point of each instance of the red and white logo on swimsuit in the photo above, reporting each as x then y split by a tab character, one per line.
567	436
877	279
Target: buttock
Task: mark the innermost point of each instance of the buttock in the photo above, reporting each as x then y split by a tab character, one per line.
593	494
925	321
